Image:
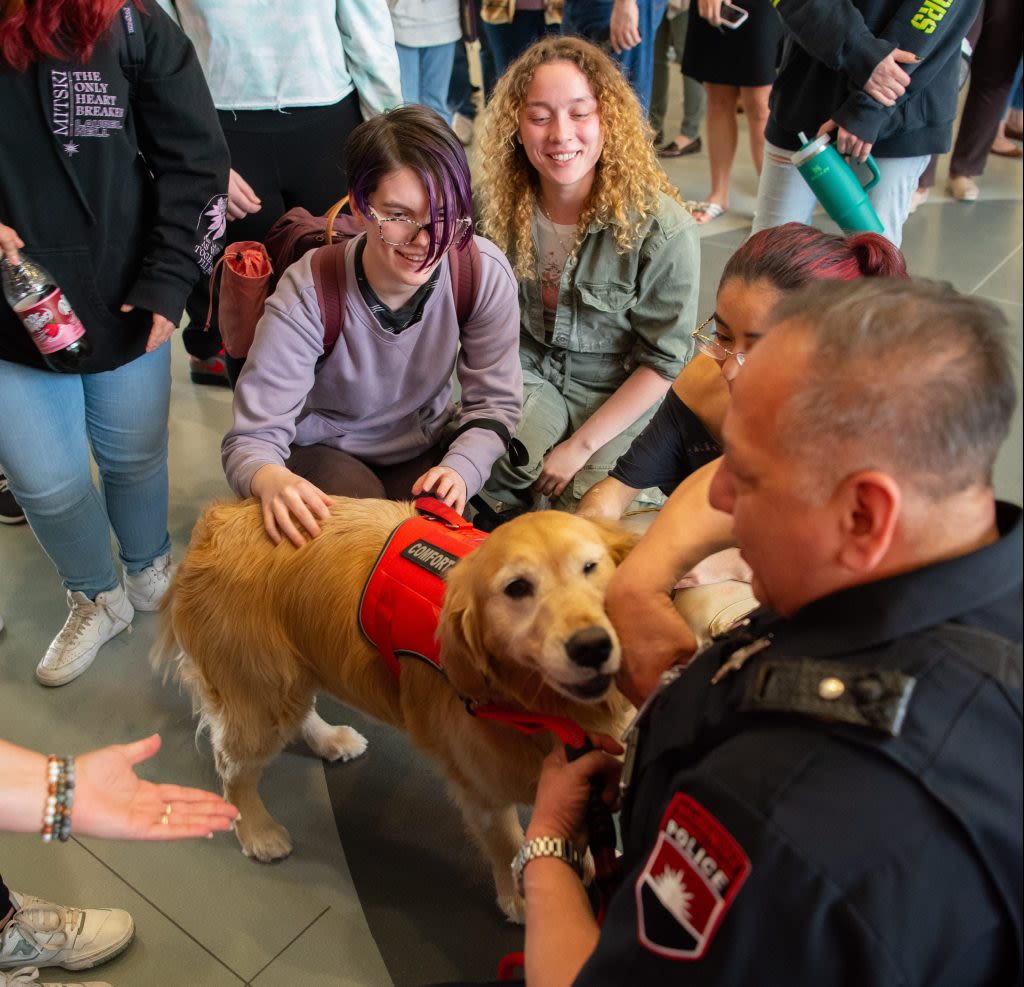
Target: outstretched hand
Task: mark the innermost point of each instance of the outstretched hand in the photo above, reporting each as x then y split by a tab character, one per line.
112	802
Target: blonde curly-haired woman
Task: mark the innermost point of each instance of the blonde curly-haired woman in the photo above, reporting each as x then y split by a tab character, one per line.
607	260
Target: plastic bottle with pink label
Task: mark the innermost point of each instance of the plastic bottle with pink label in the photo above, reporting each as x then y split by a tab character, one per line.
46	313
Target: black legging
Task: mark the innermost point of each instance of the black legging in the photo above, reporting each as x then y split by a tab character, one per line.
291	157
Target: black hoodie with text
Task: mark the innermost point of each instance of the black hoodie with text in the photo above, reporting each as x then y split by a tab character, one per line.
114	174
833	46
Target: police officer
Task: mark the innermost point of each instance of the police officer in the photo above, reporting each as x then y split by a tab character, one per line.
832	793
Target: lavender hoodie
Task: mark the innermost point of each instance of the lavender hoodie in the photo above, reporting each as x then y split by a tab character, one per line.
379	397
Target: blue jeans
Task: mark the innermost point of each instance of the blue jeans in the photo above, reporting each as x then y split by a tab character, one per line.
426	73
49	423
591	19
783	196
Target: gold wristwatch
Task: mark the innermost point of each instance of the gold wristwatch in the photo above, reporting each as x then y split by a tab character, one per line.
546	846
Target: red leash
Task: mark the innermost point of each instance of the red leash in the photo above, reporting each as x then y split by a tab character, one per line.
600	825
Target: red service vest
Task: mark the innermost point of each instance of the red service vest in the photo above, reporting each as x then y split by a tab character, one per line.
402	598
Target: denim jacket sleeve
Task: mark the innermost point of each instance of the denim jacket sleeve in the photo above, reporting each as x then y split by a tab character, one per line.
667	288
640	303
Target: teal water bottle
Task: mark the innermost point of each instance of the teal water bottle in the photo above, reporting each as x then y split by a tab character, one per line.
836	187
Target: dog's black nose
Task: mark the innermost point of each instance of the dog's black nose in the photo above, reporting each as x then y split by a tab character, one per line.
589	647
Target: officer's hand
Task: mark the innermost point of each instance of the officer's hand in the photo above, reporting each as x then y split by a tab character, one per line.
652	635
564	789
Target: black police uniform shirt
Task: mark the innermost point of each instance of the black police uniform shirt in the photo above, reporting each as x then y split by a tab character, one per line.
114	173
846	807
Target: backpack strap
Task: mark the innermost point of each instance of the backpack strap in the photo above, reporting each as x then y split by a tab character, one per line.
465	274
329	280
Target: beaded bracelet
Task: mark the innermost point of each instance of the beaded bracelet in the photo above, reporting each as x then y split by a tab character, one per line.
60	794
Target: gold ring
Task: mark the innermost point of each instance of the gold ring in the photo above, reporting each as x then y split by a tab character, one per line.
168	808
165	819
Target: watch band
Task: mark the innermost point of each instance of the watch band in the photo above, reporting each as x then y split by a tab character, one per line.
546	846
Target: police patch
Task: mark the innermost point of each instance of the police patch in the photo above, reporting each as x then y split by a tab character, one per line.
692	876
430	557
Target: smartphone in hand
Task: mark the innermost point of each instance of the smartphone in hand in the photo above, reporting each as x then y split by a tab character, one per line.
732	15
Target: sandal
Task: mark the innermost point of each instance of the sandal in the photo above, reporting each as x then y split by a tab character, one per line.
711	211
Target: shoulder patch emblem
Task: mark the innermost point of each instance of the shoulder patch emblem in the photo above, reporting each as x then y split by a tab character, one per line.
692	877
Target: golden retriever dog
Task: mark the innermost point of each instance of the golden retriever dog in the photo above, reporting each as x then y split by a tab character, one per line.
256	630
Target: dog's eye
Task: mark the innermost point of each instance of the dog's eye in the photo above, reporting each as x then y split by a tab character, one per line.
519	588
589	567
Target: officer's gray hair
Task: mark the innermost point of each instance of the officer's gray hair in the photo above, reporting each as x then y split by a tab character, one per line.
914	376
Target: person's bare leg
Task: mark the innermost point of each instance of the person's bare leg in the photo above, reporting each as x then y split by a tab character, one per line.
755	106
722	137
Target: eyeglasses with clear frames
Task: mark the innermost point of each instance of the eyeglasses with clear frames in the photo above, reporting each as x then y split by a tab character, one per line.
402	232
708	344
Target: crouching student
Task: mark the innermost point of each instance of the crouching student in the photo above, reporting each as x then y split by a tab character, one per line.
607	260
375	416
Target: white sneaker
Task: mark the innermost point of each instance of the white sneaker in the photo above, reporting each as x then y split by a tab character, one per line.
89	626
463	127
28	976
41	933
146	589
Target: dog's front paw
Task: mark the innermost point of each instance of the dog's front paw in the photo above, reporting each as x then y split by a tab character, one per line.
266	843
513	906
340	744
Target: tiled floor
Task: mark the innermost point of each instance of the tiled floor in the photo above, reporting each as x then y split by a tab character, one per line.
206	916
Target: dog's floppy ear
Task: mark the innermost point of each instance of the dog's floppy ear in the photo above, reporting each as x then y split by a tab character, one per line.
463	654
618	540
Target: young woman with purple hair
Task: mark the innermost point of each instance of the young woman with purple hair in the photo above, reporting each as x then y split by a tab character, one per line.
375	417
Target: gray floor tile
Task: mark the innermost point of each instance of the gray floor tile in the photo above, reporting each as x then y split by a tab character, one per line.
324	956
161	955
